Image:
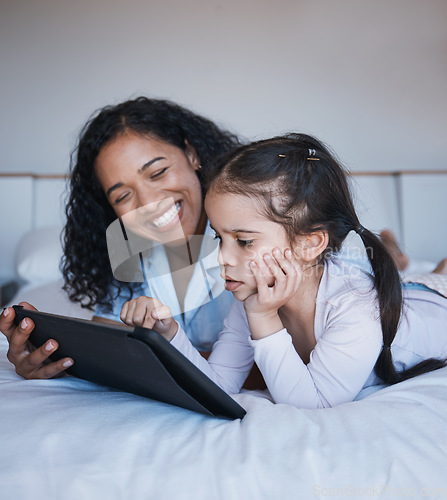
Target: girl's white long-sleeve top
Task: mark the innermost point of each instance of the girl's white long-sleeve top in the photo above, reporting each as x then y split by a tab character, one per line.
348	338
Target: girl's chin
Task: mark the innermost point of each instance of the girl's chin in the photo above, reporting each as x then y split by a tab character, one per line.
241	295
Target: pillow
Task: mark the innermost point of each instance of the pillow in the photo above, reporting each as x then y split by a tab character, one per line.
38	255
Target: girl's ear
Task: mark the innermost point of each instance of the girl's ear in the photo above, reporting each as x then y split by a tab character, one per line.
192	155
314	245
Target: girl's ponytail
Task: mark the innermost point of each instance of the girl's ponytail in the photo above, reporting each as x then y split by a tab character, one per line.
389	294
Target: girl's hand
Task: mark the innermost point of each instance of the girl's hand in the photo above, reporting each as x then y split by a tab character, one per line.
262	307
29	362
149	313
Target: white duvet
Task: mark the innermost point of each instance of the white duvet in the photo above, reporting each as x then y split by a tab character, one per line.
70	439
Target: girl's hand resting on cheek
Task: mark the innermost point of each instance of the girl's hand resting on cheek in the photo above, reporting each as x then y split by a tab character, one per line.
149	313
262	307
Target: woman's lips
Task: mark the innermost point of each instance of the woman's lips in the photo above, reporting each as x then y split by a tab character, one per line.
169	216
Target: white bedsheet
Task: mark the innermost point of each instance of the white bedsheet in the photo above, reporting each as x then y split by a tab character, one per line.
70	439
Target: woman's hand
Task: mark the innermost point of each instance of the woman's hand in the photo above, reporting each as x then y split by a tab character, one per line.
30	362
262	307
149	313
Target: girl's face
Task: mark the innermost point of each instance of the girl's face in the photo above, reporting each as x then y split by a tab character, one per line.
245	235
152	186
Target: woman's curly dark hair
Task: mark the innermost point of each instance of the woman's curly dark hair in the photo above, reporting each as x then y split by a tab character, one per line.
85	264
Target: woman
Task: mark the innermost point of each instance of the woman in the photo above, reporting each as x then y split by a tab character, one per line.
142	161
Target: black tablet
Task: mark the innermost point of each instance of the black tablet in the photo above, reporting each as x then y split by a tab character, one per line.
136	360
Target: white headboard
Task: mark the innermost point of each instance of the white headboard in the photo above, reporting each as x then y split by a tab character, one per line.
27	202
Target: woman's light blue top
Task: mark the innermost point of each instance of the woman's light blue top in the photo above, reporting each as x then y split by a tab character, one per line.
206	301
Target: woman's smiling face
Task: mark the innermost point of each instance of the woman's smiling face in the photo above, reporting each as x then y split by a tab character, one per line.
245	235
152	186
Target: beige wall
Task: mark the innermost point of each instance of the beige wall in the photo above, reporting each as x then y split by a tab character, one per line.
368	77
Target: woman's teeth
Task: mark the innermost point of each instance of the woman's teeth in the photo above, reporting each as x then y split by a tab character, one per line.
168	216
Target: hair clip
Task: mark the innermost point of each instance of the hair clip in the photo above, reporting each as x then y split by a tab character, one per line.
282	156
312	153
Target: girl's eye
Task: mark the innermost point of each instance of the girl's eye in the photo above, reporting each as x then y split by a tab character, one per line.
159	173
244	243
241	243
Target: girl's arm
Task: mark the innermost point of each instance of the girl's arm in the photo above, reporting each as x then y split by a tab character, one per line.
339	365
232	357
347	331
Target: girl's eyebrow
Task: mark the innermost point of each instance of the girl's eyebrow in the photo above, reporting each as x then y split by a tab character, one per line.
140	171
243	231
236	230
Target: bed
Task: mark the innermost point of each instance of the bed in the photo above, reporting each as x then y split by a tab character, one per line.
70	439
66	438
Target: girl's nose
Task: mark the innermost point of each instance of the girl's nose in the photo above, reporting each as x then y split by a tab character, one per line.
225	256
220	257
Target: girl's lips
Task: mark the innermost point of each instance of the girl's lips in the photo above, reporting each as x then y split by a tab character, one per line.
231	285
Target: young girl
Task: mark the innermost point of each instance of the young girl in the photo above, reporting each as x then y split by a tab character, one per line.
319	330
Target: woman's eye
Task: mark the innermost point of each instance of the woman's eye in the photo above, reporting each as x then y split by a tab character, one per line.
159	173
121	198
245	243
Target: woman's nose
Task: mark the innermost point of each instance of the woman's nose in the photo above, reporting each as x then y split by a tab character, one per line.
154	202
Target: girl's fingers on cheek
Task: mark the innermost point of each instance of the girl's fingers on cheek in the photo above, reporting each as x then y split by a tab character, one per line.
291	258
264	268
290	261
280	257
283	255
261	283
282	267
287	267
268	275
271	263
254	268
